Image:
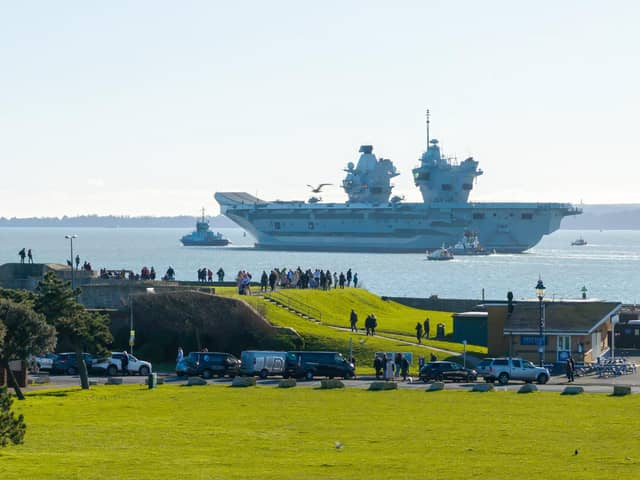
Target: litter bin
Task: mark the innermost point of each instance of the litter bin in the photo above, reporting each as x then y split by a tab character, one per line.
440	330
152	380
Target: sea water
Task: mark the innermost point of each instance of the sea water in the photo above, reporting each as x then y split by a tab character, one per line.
608	266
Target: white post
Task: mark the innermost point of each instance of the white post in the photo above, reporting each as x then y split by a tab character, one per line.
614	320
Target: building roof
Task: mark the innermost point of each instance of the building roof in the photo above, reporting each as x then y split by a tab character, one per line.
575	317
472	314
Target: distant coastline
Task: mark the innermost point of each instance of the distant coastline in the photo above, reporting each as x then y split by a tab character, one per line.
115	221
594	217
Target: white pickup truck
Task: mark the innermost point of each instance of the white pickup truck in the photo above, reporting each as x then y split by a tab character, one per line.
505	369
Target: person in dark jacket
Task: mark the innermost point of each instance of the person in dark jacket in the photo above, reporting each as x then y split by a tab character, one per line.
125	363
353	320
419	332
378	366
264	279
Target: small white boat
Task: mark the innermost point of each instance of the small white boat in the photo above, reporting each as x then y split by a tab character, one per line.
579	242
440	254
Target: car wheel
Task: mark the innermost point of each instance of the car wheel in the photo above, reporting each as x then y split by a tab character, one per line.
144	370
543	378
348	376
285	375
72	371
503	378
207	373
112	370
308	375
264	373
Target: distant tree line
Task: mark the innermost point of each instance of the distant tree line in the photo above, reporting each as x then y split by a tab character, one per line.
114	221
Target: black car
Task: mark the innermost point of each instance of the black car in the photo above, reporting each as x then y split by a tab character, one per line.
318	364
208	364
447	371
66	363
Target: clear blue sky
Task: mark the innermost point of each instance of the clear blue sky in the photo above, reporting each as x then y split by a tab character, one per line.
149	107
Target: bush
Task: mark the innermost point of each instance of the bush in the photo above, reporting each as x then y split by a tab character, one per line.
12	428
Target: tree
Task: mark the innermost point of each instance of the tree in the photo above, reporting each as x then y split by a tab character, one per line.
84	330
12	428
26	333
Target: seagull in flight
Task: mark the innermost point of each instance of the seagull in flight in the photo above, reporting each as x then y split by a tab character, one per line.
318	189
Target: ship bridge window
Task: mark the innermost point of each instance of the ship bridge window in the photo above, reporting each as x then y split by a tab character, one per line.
467	186
311	225
478	216
446	187
527	216
422	176
276	225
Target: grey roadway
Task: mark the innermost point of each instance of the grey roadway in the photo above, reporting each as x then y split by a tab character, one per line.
590	383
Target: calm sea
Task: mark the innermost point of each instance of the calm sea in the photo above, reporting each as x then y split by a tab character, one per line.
609	266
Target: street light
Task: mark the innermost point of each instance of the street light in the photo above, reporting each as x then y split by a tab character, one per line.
540	294
70	238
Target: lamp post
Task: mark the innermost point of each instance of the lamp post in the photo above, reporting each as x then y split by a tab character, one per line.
540	294
70	238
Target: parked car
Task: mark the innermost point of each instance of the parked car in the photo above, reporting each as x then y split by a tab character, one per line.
208	364
113	365
505	369
263	363
42	362
66	363
447	371
307	365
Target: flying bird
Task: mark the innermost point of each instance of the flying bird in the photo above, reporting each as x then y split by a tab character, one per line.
318	189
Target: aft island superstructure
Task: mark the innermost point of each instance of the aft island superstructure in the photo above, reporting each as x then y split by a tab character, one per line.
374	221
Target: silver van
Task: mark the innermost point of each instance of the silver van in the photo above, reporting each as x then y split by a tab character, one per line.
262	363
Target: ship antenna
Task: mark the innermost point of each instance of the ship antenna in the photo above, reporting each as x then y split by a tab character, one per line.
428	121
202	214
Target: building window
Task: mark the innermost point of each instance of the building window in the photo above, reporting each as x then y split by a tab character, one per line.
527	216
446	187
564	343
478	216
467	186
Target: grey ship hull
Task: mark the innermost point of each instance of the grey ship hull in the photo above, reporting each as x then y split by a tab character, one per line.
399	227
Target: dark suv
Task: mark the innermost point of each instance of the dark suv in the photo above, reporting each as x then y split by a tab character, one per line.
208	364
65	363
447	371
318	364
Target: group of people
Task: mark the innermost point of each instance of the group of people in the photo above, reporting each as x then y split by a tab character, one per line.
391	368
422	330
243	281
309	278
370	323
24	253
205	275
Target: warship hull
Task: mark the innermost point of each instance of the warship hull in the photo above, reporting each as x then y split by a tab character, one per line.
390	227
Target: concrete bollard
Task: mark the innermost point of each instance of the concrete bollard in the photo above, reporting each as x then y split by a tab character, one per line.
572	390
329	384
379	386
621	390
435	387
114	381
483	387
287	383
528	388
243	382
196	381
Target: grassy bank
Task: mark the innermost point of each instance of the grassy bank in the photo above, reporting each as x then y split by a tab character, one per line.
217	432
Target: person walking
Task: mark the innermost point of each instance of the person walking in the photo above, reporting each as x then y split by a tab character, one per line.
124	363
180	355
220	274
77	261
374	324
22	255
378	366
341	280
404	367
353	319
355	280
264	280
570	367
349	277
426	328
419	332
30	256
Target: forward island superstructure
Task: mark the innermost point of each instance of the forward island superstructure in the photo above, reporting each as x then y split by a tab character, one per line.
372	220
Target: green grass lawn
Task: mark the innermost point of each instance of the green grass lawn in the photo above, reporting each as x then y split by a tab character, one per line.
217	432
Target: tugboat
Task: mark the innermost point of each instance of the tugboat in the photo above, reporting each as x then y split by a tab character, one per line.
579	242
440	254
469	245
203	236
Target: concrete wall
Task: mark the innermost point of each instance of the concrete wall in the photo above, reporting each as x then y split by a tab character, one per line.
456	305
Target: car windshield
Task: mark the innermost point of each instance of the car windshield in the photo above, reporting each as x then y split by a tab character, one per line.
529	365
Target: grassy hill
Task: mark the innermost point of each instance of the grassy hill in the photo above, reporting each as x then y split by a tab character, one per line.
394	321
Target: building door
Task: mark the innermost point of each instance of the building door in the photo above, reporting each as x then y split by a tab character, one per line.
564	347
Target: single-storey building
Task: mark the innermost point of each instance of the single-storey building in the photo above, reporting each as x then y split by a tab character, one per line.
580	328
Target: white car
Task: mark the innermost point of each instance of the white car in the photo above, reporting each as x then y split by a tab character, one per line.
113	365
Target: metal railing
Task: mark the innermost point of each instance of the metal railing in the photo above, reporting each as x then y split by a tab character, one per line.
296	305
